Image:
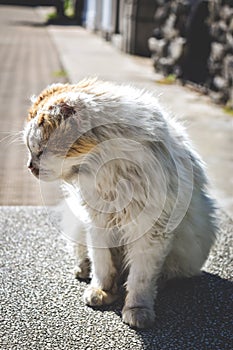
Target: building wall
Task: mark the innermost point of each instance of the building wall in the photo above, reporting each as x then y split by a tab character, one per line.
131	19
194	41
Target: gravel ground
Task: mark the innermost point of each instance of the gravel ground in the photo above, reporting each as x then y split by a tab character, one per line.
42	304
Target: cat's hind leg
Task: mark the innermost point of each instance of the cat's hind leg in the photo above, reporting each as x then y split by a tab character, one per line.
74	231
82	268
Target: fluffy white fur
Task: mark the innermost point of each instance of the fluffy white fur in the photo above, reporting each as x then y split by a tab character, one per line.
142	187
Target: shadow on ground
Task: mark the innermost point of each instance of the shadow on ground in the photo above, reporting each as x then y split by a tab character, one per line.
192	313
55	21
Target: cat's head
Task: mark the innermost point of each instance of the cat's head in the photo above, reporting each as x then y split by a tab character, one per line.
52	134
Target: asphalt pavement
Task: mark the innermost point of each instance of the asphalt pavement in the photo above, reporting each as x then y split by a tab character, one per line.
42	306
41	301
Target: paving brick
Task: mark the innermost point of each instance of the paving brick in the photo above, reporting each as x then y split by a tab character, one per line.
29	62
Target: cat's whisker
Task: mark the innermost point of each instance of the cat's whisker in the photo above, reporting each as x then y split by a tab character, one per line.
12	137
17	140
10	132
6	138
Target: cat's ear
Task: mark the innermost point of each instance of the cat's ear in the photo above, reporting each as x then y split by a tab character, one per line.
66	110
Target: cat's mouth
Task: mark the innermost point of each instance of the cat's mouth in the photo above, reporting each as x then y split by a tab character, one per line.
43	175
35	172
40	174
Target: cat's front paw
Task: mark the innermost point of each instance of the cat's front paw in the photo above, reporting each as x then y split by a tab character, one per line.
82	270
138	317
96	297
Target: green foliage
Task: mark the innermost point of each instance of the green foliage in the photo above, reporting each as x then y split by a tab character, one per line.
228	110
170	79
69	8
51	16
60	73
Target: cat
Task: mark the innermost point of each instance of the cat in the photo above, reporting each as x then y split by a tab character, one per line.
132	169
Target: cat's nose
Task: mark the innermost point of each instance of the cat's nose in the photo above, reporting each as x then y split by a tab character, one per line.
30	165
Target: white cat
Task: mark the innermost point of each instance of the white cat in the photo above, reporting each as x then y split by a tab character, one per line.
142	186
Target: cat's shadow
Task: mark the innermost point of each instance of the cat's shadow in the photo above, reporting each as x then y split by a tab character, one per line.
191	313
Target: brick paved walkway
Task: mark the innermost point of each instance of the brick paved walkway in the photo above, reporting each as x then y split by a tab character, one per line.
28	62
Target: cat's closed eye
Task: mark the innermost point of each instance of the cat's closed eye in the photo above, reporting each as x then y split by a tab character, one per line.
39	154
